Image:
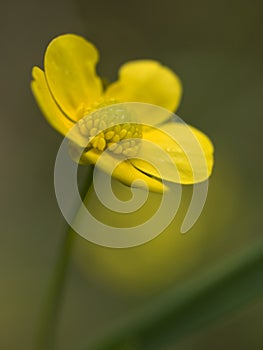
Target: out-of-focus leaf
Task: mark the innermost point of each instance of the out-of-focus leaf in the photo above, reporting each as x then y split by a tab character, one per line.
221	289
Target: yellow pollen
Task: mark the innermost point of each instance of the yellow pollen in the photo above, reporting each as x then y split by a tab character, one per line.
106	128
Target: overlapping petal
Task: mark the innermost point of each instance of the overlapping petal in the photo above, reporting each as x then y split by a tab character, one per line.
190	154
123	171
147	81
70	72
46	103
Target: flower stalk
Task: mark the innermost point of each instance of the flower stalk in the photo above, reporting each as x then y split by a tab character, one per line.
49	317
54	297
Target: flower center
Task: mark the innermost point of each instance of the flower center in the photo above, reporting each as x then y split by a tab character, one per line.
111	126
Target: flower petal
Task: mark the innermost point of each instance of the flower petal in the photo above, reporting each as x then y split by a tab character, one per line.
147	81
46	103
70	71
123	171
190	154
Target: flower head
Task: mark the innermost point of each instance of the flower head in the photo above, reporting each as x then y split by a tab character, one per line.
69	92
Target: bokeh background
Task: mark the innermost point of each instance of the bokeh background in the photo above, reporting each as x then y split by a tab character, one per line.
216	49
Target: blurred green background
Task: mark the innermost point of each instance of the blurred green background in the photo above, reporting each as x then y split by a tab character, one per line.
216	49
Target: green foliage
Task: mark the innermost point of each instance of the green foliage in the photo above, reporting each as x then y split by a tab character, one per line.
221	289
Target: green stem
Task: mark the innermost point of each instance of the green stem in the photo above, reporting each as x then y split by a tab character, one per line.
54	298
50	313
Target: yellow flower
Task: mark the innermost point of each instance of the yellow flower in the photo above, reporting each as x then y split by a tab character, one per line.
69	89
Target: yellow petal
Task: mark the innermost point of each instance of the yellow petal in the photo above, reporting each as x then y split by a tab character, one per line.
124	171
185	154
70	71
147	81
46	103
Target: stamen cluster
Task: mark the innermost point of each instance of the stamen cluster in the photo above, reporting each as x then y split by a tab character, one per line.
111	128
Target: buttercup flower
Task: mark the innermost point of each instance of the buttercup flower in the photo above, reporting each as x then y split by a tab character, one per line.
69	89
